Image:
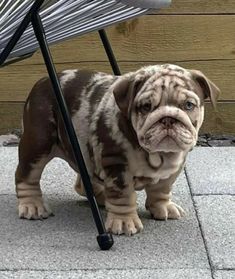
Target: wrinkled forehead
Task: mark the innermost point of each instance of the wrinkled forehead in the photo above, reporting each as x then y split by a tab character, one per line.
169	85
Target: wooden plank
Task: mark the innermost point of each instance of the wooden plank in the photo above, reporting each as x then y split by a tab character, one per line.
10	116
151	38
200	7
221	122
17	81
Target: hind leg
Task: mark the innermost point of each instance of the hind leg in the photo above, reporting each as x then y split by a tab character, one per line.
29	194
35	151
98	188
33	157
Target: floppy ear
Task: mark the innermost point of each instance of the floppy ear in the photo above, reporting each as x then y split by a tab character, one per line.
208	87
125	92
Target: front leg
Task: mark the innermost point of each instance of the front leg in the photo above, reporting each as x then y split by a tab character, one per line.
120	203
159	202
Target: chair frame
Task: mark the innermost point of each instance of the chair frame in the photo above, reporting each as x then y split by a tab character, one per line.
104	239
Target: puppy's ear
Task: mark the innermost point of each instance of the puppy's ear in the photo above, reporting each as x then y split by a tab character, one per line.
208	87
125	92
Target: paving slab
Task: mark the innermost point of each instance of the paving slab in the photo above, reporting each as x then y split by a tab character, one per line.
224	274
67	241
217	218
211	170
114	274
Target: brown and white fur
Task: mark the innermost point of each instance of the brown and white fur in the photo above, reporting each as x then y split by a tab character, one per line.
134	130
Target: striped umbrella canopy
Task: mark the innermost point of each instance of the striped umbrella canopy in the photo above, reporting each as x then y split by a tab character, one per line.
64	19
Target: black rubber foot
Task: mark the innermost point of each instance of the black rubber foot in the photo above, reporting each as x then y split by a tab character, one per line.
105	241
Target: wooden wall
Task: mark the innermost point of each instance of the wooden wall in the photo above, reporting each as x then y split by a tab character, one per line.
197	34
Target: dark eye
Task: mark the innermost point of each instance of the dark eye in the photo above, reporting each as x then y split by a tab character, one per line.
189	106
145	108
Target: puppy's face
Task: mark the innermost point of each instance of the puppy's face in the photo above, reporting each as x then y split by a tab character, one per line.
165	105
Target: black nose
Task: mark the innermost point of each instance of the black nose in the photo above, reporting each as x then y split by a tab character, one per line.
167	121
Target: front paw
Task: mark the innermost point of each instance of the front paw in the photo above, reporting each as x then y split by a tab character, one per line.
127	224
164	210
33	208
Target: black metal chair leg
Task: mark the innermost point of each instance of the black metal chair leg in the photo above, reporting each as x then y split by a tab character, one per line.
104	239
109	52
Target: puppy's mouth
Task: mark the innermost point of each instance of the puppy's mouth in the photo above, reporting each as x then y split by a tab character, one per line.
167	134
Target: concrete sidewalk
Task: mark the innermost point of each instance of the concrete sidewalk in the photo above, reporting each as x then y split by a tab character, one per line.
201	245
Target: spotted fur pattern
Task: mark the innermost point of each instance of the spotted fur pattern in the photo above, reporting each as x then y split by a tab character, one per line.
134	131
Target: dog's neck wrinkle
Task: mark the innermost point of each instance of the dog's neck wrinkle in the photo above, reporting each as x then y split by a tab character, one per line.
154	161
158	159
172	155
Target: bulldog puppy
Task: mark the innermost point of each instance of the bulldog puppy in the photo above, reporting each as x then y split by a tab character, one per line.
134	130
